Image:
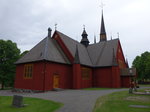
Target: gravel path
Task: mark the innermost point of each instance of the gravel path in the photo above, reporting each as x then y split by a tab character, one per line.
73	100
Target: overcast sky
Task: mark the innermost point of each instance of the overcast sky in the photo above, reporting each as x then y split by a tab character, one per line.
26	21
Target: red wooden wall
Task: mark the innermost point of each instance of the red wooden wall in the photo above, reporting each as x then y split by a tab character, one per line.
44	80
87	83
116	79
35	83
102	77
78	80
126	80
64	72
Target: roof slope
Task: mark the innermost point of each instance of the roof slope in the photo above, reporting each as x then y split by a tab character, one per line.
82	50
47	49
102	53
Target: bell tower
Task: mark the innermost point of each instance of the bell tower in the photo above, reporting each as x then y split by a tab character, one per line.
84	39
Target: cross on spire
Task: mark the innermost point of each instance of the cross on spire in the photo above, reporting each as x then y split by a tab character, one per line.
102	5
83	27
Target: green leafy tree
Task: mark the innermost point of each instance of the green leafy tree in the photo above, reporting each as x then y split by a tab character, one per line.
9	53
25	52
142	64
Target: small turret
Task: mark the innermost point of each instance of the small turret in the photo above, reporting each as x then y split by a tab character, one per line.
84	39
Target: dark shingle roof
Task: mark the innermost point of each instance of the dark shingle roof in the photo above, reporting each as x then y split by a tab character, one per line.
102	53
47	49
95	55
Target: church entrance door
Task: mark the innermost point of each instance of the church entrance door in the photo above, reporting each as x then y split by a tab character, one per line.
55	81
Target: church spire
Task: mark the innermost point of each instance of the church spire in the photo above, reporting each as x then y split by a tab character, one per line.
103	36
84	39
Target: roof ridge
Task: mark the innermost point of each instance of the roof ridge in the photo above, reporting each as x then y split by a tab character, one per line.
68	37
101	42
90	57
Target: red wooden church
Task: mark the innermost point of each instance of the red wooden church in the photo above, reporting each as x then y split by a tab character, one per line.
61	62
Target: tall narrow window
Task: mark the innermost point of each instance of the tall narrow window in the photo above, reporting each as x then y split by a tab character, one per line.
28	71
85	73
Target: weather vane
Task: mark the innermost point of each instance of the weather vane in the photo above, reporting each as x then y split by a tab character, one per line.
55	26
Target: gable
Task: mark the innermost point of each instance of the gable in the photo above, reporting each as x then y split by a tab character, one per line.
120	57
71	46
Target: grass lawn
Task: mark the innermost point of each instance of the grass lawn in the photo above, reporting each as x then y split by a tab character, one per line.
34	105
120	101
144	85
7	88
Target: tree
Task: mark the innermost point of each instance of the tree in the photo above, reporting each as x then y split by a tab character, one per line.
25	52
9	53
142	64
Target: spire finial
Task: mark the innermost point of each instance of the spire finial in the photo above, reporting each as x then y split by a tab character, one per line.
55	26
118	34
103	36
83	27
102	5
